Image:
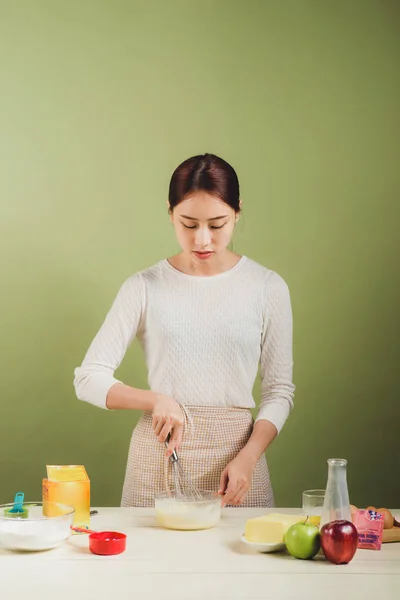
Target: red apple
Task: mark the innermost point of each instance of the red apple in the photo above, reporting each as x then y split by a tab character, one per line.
339	541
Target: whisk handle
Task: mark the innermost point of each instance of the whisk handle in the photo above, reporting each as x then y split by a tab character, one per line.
174	456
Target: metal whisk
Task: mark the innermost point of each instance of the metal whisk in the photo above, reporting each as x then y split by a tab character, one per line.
185	489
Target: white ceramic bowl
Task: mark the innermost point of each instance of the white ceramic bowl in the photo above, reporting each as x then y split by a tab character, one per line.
265	548
39	531
173	513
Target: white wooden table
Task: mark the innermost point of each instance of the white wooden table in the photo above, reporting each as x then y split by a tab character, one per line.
208	565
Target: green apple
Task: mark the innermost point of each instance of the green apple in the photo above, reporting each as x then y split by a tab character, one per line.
303	540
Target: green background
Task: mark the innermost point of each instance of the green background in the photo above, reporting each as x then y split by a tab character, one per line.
99	103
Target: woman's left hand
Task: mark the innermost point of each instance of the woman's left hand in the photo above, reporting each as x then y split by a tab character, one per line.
236	480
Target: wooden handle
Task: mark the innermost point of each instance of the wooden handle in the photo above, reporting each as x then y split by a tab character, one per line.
391	535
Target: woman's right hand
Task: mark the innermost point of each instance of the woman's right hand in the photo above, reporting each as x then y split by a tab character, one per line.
168	417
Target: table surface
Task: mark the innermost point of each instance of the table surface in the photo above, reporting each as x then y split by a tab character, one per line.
210	565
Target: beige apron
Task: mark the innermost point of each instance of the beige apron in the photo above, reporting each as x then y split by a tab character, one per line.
213	436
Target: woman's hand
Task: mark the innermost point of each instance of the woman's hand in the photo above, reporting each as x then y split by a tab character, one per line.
168	417
236	480
237	475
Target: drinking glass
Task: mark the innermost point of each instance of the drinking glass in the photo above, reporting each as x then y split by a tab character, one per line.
313	501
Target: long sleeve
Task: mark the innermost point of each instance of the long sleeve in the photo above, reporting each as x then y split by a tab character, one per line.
94	378
276	363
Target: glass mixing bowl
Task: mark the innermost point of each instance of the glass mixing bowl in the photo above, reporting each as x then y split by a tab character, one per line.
175	513
47	526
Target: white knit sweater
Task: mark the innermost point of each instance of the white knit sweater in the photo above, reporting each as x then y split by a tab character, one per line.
203	337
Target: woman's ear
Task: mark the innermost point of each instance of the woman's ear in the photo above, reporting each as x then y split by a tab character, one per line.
237	215
170	211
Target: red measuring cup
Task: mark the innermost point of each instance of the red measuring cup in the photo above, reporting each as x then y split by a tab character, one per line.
105	543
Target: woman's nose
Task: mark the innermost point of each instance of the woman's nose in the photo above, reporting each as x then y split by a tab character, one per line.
202	237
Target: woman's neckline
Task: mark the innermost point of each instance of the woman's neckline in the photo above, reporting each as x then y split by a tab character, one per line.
223	274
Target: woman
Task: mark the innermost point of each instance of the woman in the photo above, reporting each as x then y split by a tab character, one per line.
207	318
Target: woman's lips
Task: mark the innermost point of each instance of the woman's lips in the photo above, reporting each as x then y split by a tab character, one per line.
203	255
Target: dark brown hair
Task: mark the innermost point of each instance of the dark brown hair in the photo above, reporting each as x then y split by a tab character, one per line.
208	173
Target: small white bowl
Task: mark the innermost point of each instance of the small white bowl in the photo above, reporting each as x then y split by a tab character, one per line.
259	547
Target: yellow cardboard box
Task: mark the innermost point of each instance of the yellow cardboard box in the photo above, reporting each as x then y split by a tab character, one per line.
68	484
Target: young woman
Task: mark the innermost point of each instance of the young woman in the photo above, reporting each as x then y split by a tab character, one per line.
207	319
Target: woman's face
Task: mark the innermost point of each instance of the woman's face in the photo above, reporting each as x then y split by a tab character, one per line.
203	226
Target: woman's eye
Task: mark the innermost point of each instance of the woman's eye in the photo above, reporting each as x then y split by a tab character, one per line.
211	226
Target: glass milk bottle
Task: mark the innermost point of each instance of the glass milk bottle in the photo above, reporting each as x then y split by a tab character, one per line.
336	502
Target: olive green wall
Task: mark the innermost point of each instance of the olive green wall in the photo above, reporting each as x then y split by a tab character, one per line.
100	101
